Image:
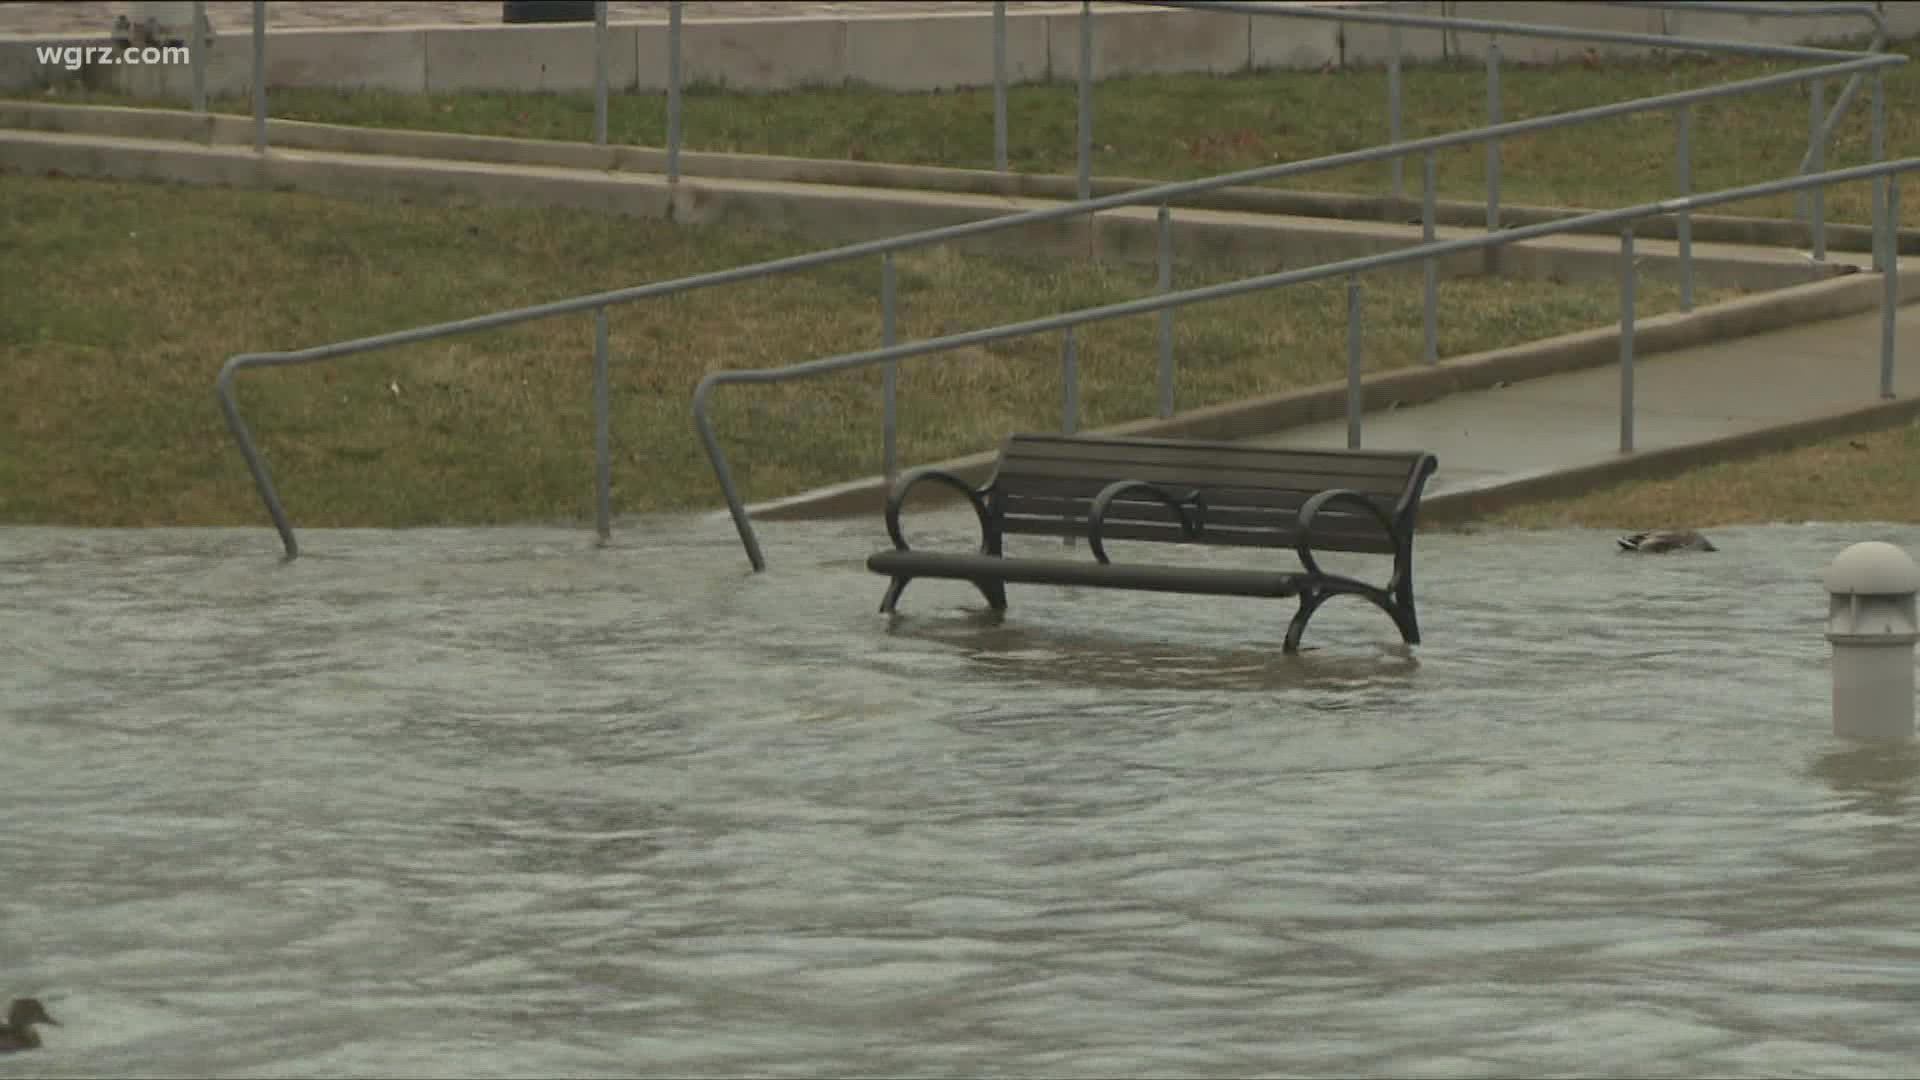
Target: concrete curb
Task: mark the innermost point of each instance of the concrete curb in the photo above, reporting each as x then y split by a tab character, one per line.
1736	318
213	129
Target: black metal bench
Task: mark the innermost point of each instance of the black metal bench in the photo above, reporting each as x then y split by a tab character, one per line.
1179	491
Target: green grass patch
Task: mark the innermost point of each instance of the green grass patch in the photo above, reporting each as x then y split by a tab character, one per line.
123	300
1184	126
1850	478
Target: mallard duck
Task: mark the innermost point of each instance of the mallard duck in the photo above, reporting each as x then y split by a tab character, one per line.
1662	540
17	1033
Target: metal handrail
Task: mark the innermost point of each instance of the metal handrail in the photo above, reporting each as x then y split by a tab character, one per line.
1821	125
1846	63
1161	193
1168	301
1503	28
1823	129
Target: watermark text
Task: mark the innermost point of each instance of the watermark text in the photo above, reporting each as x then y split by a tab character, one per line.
75	57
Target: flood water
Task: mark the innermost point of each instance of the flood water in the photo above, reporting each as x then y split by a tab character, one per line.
499	803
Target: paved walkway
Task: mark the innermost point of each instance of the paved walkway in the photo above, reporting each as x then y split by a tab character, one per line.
85	16
1489	438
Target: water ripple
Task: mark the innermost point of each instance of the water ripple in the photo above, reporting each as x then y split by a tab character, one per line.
499	803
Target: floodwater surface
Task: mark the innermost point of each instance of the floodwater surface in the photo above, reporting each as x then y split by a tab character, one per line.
502	803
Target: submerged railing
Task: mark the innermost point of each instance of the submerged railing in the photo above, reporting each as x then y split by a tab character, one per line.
1165	196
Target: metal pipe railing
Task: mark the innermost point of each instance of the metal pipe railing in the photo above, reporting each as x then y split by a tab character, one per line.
1000	85
1085	136
599	72
1392	20
1507	28
1872	14
1395	107
602	429
1161	193
197	55
259	87
1852	64
1622	218
673	92
1356	388
1683	222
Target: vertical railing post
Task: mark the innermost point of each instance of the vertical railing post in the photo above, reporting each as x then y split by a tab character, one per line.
197	55
260	76
1493	145
1165	259
1817	197
599	72
1070	384
1629	283
1877	152
1430	302
673	92
602	429
1889	283
1683	170
889	377
1395	98
1000	85
1085	186
1354	399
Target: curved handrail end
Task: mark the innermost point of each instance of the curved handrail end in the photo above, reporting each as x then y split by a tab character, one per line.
703	426
256	465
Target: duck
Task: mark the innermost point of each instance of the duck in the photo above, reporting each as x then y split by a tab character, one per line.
1664	540
17	1033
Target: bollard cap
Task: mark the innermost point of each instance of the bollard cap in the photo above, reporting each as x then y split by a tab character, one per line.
1873	569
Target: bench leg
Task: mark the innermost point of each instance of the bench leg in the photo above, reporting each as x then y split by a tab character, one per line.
1405	619
1310	601
894	588
995	592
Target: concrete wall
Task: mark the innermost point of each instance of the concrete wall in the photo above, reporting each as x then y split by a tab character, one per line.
917	52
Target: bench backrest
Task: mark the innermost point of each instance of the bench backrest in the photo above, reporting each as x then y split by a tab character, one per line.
1046	484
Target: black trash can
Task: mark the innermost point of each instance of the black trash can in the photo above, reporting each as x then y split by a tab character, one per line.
545	11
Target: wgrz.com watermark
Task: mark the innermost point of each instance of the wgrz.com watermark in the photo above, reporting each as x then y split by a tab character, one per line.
76	57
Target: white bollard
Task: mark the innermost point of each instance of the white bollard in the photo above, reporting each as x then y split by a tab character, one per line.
1872	623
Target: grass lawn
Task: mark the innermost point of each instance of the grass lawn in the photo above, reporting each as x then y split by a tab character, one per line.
123	300
1181	126
1852	478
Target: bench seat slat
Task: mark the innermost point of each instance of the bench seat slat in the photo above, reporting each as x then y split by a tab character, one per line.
1217	495
1183	579
1022	477
1286	515
1203	454
1375	543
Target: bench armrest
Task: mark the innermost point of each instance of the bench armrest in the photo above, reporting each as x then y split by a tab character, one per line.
1190	523
975	496
1311	508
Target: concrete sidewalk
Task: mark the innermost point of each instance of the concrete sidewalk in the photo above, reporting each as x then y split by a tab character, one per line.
1561	433
1542	419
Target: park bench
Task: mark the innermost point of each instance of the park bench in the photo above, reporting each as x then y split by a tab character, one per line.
1097	489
